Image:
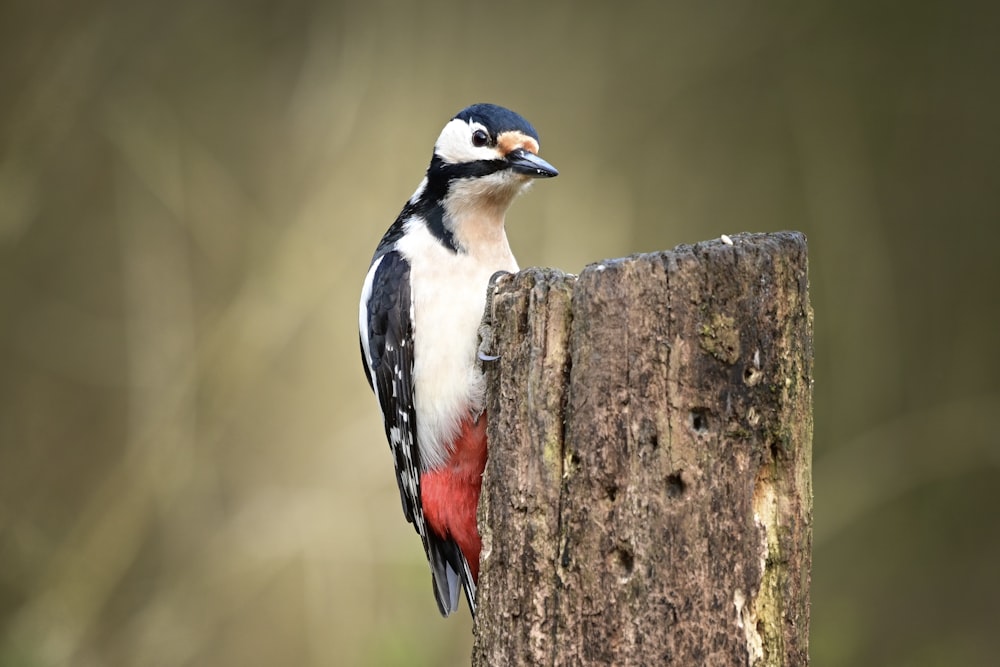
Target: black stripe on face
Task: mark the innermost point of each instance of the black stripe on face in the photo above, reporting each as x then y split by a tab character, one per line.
447	172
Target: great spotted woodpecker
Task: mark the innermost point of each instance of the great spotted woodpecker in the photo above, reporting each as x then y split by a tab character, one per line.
421	305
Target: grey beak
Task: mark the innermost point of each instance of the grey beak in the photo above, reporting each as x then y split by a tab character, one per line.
530	164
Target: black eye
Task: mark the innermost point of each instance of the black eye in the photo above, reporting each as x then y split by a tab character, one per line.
480	138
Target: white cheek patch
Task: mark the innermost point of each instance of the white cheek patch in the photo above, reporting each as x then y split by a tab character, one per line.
455	144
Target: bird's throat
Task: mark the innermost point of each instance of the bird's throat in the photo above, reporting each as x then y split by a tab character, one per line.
475	213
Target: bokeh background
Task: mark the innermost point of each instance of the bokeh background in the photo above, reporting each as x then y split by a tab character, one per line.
192	470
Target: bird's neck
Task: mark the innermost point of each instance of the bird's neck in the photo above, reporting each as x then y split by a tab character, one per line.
475	213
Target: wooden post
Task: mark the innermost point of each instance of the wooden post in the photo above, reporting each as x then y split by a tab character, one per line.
648	498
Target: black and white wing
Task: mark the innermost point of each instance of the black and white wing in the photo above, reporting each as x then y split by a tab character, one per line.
386	322
387	356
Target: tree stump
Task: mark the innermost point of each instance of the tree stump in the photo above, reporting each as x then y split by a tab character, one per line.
647	498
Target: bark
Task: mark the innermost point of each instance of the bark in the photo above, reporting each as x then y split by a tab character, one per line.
647	498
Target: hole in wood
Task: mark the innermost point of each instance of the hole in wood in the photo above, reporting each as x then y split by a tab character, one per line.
675	485
752	376
776	449
623	561
699	420
612	491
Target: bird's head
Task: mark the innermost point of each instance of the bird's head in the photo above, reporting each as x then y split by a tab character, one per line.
484	157
487	139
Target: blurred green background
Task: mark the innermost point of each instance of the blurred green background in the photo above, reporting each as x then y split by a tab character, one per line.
192	469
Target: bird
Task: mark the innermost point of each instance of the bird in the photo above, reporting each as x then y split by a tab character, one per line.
421	305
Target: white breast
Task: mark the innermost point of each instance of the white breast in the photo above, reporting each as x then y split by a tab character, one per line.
448	297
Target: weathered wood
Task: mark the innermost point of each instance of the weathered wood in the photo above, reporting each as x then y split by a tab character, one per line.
647	498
